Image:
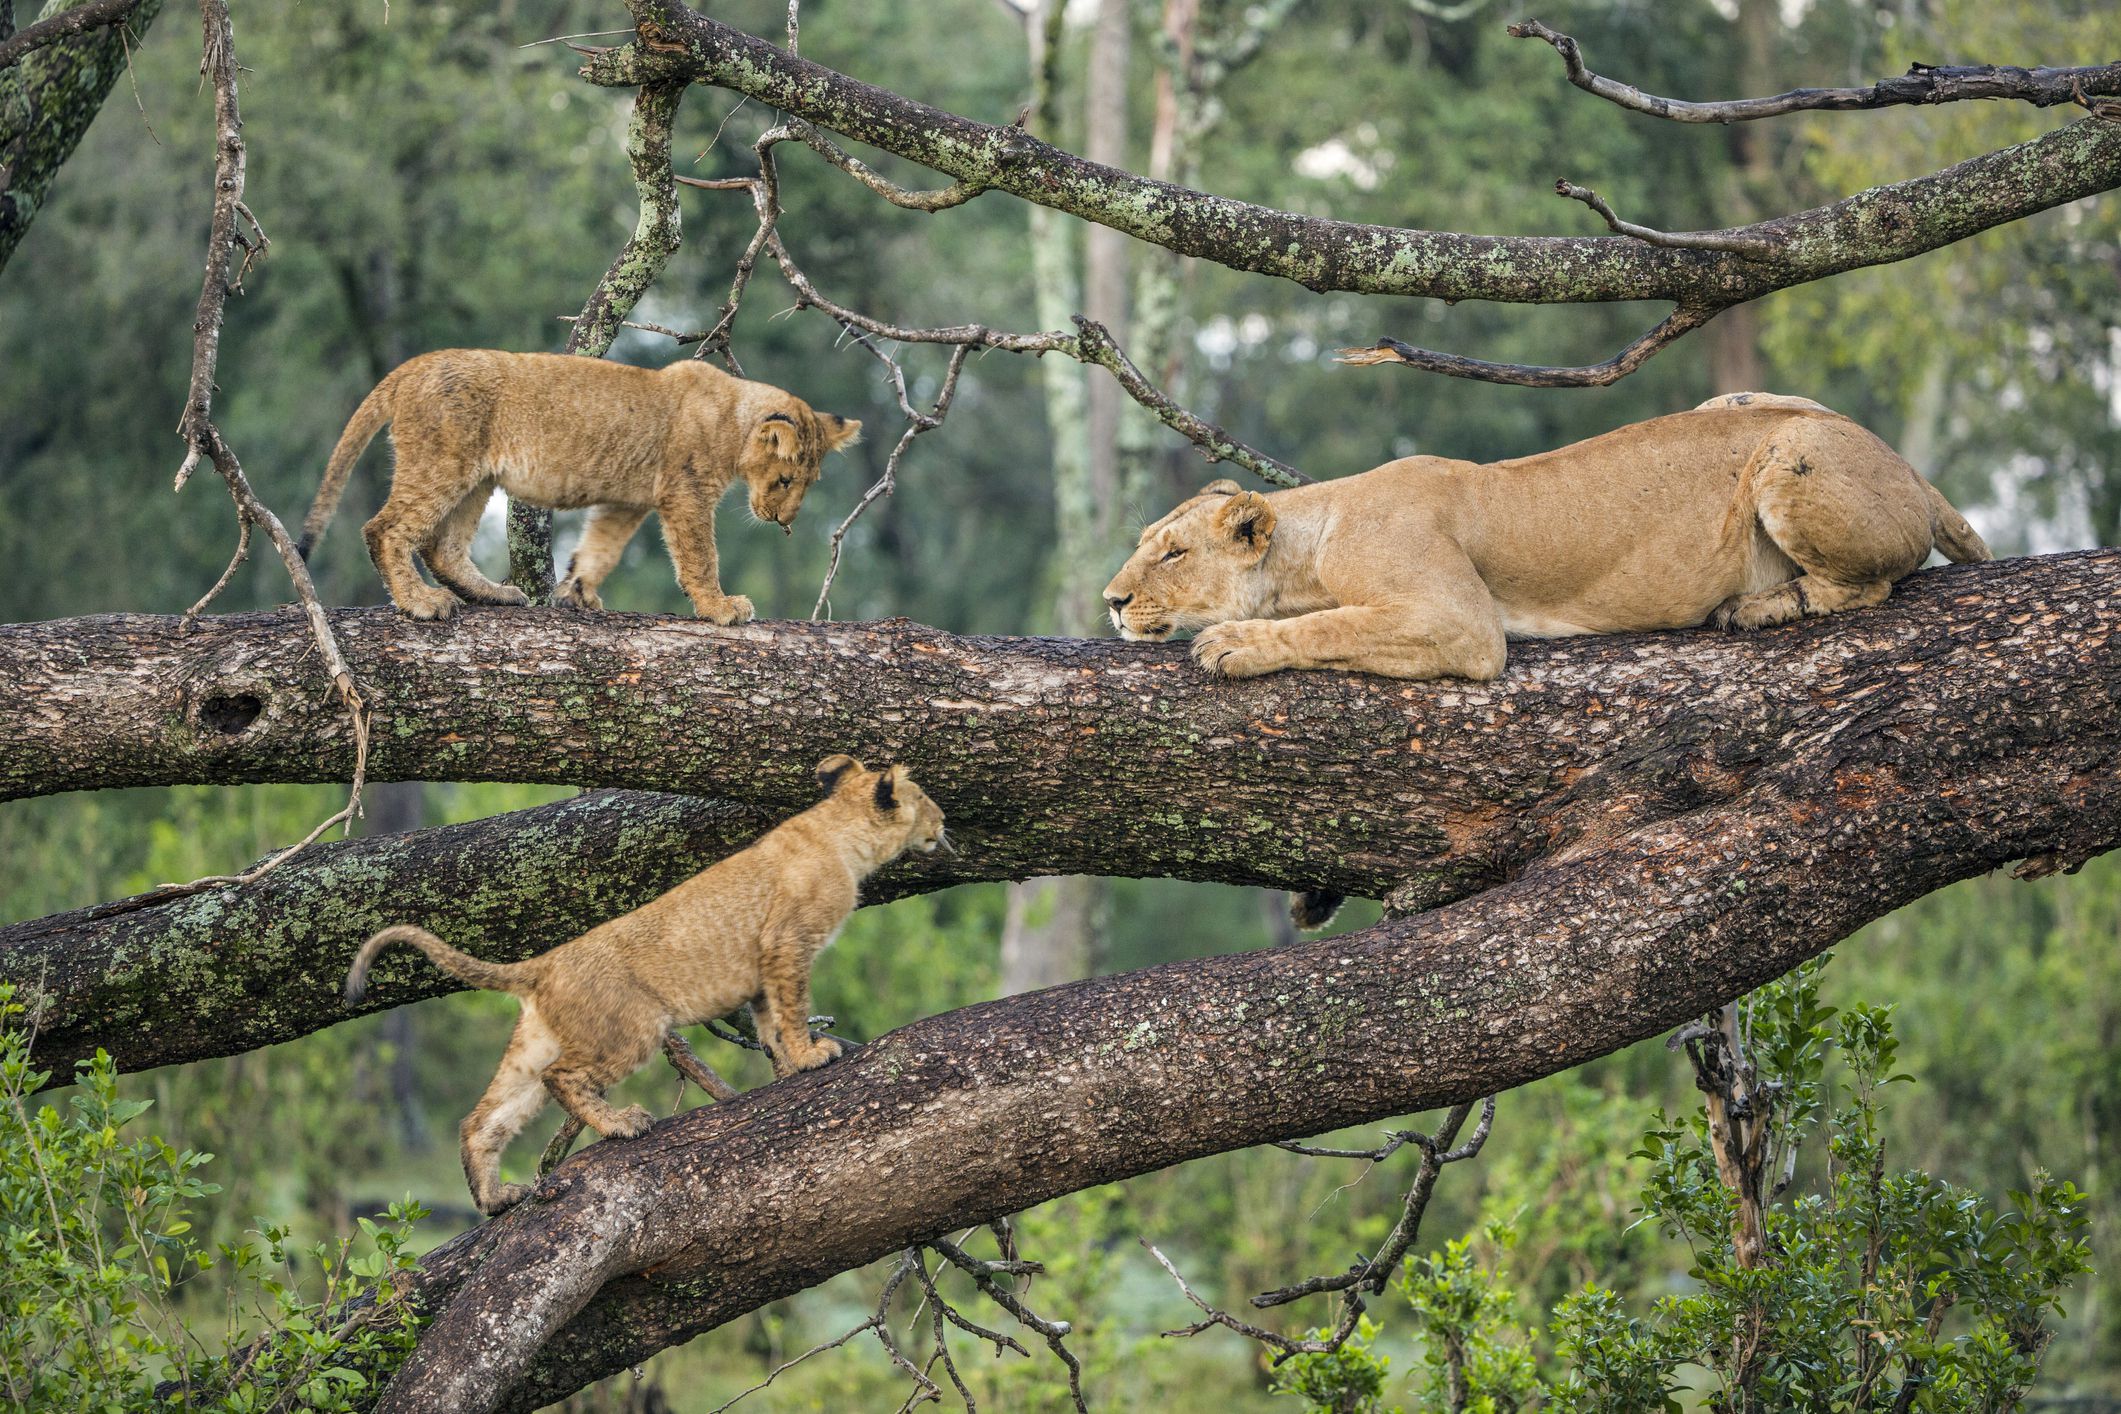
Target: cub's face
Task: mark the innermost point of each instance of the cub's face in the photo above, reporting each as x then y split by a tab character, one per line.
1197	566
892	795
922	817
781	456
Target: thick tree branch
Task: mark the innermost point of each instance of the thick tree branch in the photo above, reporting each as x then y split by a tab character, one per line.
1050	755
1885	224
1904	785
1922	83
89	15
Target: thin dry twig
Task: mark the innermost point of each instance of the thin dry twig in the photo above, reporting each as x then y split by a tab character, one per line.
203	440
1750	247
1054	1333
1922	83
1681	321
1368	1275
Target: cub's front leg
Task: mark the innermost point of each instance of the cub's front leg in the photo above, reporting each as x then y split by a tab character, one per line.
781	1011
688	527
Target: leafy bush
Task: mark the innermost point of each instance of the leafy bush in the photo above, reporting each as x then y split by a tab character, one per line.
96	1240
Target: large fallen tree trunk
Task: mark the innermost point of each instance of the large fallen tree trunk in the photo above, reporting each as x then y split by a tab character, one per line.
1049	755
1906	780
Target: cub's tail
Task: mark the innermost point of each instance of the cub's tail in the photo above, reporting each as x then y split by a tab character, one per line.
488	976
367	421
1960	544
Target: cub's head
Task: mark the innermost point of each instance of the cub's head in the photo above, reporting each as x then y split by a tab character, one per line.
1197	566
782	439
889	797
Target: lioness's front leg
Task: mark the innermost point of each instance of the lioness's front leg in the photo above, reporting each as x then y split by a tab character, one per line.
1394	641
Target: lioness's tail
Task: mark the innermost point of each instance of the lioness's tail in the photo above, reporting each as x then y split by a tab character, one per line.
367	421
1952	535
488	976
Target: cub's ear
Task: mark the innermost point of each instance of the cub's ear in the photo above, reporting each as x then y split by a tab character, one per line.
1247	519
1224	487
832	768
839	431
887	787
776	431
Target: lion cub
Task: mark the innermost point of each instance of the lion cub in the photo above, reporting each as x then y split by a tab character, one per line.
567	432
743	931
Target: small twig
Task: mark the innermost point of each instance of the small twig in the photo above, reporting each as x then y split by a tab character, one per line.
1922	83
1052	1332
1683	320
1750	247
1097	346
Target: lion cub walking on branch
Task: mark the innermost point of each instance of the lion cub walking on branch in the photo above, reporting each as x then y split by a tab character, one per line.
743	931
1752	510
567	432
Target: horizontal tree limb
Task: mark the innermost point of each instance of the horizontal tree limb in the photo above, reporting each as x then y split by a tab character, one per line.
1877	226
1050	755
1901	782
1921	84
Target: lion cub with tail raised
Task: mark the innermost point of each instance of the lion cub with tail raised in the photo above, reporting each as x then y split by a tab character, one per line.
1750	511
743	931
568	432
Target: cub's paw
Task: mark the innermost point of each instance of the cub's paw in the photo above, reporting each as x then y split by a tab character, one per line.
823	1051
575	595
507	594
502	1199
632	1123
1244	648
430	603
728	609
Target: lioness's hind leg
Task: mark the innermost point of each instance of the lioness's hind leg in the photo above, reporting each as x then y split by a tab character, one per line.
1807	596
448	553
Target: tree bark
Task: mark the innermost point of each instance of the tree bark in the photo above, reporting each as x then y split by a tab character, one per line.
1049	755
1883	224
1991	740
48	97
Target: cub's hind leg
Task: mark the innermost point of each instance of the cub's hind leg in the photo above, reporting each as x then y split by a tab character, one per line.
1845	508
604	540
425	489
511	1101
448	553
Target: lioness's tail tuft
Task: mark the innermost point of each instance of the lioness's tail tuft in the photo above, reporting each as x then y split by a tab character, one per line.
487	976
1958	541
1314	908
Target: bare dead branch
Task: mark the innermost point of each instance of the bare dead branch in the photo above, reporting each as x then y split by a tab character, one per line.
1053	1332
91	14
1681	321
1921	84
204	442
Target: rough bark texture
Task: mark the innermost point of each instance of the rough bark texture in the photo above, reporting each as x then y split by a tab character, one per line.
1883	224
1049	755
1990	730
48	98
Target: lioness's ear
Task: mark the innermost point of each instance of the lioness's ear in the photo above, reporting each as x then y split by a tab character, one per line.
1247	519
839	431
832	768
777	431
1224	487
887	788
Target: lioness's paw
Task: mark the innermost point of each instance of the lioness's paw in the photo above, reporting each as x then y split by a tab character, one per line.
728	609
575	595
430	603
633	1122
1244	648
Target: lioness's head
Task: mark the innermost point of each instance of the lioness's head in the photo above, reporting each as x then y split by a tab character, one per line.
888	796
1197	566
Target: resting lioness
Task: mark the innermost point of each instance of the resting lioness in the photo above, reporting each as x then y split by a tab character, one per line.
1749	511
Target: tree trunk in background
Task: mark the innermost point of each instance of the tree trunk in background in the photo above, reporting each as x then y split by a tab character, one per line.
1734	335
1053	924
399	808
47	101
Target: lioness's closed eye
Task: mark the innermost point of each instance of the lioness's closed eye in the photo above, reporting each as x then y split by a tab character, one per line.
1749	511
566	432
742	932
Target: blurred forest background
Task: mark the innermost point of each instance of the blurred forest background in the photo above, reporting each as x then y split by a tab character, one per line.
430	177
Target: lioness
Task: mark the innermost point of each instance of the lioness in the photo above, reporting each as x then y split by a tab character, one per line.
566	432
743	931
1751	510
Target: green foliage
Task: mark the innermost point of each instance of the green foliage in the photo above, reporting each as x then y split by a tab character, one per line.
1349	1380
99	1251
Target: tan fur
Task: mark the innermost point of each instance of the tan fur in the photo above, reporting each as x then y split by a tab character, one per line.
1751	510
742	932
566	432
